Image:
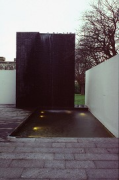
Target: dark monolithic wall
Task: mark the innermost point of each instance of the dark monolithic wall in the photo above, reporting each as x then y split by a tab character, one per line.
45	70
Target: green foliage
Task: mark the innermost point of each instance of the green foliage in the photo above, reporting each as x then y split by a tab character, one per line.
79	99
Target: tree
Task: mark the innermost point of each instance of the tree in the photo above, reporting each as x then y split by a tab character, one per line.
97	37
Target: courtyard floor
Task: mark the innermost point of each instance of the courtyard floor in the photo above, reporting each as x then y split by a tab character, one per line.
53	158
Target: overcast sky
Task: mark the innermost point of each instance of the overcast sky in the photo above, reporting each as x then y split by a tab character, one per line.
37	16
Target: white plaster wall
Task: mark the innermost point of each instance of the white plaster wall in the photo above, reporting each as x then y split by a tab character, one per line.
7	86
102	93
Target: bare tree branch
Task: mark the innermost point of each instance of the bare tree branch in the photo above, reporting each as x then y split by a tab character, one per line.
97	36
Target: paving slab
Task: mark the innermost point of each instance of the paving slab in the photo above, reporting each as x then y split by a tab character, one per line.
54	173
107	164
96	150
96	157
26	163
79	145
10	172
107	145
113	150
5	163
102	173
28	179
39	156
65	156
57	164
61	145
49	150
80	164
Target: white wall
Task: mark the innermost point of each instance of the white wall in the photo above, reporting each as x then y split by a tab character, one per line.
7	86
102	93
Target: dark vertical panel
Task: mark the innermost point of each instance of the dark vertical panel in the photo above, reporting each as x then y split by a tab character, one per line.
45	70
25	70
33	70
44	94
63	70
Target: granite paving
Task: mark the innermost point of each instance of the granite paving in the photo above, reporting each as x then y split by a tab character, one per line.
53	158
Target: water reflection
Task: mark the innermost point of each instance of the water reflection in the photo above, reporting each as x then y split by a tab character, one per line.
41	116
62	123
82	114
56	111
37	128
35	136
68	112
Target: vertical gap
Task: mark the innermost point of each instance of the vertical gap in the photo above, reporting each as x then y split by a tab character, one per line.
52	61
51	67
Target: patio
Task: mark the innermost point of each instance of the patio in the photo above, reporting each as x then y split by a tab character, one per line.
53	158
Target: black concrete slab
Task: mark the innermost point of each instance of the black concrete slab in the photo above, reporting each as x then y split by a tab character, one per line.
45	70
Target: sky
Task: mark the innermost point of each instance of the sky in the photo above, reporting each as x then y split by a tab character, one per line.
59	16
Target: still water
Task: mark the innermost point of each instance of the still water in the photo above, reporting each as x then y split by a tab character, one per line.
61	123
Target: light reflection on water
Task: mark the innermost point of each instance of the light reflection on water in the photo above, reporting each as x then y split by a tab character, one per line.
37	128
82	114
68	112
56	111
41	116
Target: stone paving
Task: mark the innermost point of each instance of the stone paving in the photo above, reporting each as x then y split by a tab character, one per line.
10	118
54	158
